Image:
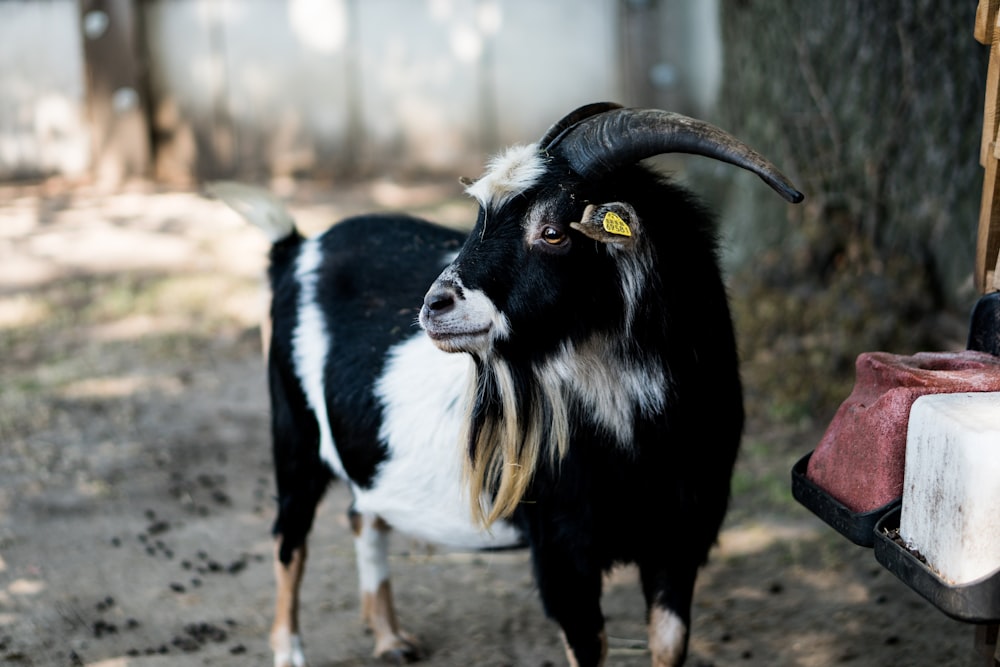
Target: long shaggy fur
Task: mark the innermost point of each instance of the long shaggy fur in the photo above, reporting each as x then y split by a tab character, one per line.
522	417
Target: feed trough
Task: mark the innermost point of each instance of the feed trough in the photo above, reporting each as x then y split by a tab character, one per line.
944	540
855	474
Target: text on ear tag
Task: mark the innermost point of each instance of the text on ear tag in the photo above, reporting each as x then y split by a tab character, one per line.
613	224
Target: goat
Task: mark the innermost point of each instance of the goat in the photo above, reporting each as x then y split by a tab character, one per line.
575	387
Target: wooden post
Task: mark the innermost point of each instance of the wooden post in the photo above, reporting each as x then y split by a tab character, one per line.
988	236
116	94
988	33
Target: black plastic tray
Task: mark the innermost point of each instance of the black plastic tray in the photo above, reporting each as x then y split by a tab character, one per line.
975	602
858	527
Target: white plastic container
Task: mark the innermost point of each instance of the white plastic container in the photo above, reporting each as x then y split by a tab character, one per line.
951	484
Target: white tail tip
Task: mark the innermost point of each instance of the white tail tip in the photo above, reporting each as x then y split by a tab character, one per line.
258	206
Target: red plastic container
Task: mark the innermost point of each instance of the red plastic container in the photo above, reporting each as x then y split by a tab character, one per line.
859	461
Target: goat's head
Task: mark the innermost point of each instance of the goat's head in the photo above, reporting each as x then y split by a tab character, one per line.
559	263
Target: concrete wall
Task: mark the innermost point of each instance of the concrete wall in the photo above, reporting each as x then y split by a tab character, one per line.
341	85
43	126
273	88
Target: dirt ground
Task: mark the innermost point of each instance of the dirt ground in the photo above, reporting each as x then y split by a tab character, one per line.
136	495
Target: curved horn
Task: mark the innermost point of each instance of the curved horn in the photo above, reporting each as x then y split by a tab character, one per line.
574	117
600	143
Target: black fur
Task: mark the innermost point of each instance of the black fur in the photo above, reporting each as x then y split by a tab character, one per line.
370	284
657	500
659	503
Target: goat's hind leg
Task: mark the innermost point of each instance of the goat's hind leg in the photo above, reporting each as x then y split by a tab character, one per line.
285	639
301	479
295	517
371	544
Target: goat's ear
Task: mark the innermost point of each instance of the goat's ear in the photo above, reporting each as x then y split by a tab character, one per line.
615	222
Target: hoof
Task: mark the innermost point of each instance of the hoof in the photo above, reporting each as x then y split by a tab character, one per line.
288	651
403	651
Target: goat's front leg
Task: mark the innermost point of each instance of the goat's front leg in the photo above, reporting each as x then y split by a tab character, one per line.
371	544
572	598
668	586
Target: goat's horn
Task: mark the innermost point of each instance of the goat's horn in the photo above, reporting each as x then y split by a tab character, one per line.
600	143
572	118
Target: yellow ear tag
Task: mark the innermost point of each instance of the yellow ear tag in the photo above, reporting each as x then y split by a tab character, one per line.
613	224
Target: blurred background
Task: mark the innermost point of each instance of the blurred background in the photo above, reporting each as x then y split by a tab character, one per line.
180	90
132	401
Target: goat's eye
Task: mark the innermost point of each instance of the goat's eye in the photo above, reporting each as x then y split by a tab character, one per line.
553	235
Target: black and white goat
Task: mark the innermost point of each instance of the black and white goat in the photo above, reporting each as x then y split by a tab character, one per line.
575	387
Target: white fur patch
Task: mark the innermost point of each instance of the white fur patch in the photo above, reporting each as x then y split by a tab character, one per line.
477	304
667	637
634	270
289	653
609	388
507	175
419	488
310	345
372	548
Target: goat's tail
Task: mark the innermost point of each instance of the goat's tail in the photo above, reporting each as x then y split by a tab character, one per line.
265	211
258	206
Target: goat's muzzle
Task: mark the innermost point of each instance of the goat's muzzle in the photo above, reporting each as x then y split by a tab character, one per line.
438	301
457	320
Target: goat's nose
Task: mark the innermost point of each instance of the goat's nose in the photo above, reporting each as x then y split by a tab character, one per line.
439	301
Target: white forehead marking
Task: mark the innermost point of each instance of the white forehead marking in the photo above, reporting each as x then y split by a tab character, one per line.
508	174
